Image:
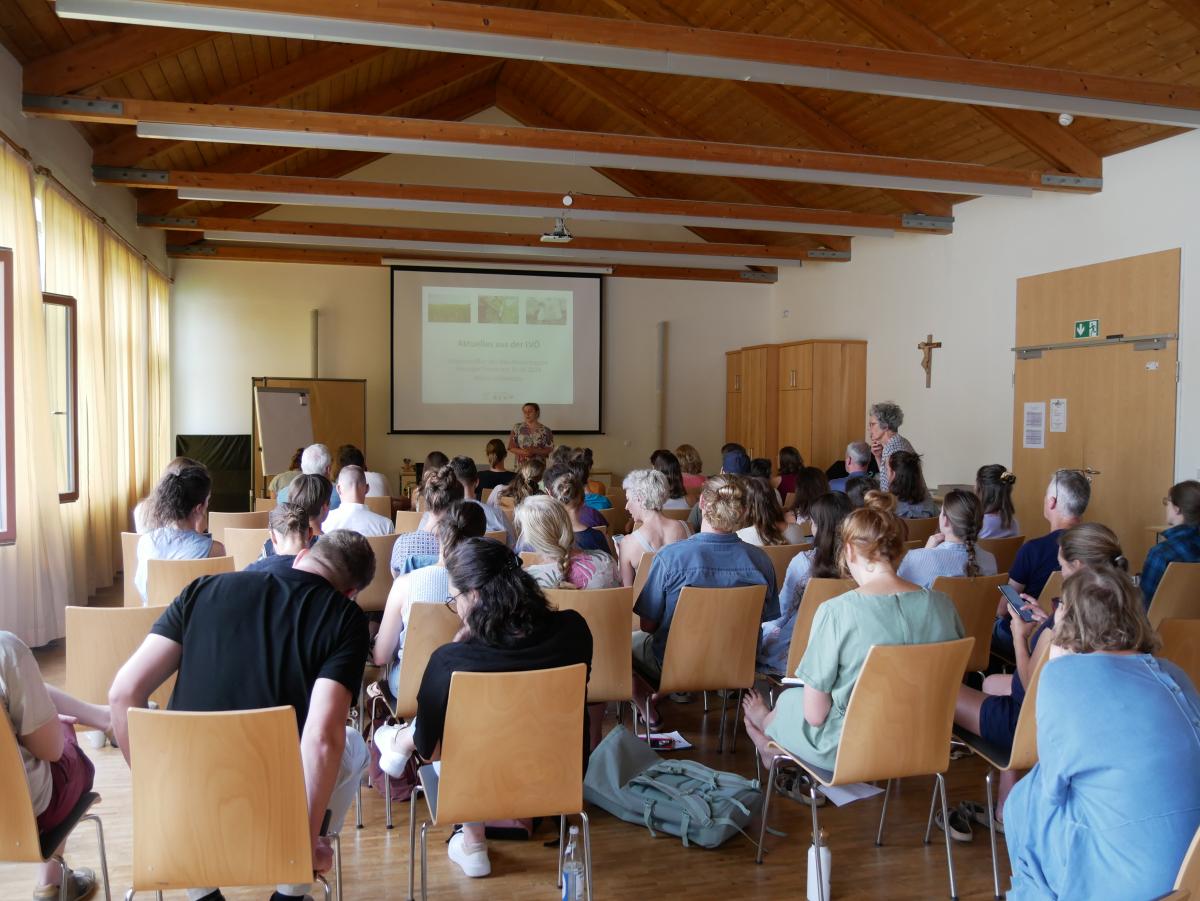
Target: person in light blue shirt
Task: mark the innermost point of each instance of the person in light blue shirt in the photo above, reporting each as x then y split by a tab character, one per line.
315	461
951	551
907	482
1110	809
179	503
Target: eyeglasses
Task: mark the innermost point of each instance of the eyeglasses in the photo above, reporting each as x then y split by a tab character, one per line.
452	602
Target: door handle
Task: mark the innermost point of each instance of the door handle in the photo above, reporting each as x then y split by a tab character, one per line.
1091	472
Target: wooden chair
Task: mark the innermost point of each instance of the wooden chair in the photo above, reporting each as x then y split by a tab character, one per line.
605	610
374	596
99	641
975	600
19	838
781	555
1181	645
1177	595
166	578
498	535
249	824
914	544
380	505
816	593
897	724
921	529
129	542
244	545
408	520
264	504
219	522
1021	756
640	574
484	494
617	519
1187	881
1051	590
529	558
511	749
693	495
1003	549
616	496
677	513
789	500
711	646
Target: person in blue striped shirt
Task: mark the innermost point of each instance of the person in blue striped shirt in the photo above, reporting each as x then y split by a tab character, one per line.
951	551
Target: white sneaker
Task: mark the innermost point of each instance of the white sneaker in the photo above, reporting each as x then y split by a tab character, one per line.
390	761
474	863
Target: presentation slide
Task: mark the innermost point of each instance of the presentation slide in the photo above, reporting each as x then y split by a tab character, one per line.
470	347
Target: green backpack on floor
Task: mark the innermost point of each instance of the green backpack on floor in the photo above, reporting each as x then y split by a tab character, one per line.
701	805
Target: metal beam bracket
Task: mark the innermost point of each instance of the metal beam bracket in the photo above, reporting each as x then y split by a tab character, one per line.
141	176
191	250
1055	180
74	104
167	221
932	223
767	278
829	254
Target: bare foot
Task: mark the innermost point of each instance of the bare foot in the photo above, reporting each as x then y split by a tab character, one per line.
755	709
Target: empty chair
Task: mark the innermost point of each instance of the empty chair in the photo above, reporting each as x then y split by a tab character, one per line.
676	513
1181	645
165	579
1003	549
99	641
1178	594
605	610
219	522
921	529
244	545
408	520
781	555
617	519
129	543
975	600
898	724
264	504
381	506
249	824
374	596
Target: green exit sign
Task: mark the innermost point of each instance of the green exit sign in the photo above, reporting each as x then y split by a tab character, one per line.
1087	328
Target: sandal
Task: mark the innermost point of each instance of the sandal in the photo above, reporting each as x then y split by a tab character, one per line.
977	813
960	825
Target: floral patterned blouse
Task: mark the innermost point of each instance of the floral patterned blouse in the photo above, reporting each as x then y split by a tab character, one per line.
523	436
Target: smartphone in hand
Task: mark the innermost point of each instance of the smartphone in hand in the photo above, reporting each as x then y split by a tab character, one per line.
1016	602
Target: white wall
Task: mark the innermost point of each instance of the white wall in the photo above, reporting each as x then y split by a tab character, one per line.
962	288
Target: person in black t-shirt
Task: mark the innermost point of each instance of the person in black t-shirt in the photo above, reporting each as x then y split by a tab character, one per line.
495	475
509	626
249	640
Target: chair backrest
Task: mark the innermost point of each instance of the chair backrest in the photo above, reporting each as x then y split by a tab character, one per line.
1003	549
1178	594
129	561
498	535
219	522
99	641
616	496
1188	878
379	505
677	513
713	639
375	595
816	593
901	712
166	578
693	495
264	504
239	779
1051	590
408	520
975	600
605	610
1024	747
1181	645
921	529
616	518
18	827
788	500
512	746
781	555
244	545
914	544
484	494
528	558
429	627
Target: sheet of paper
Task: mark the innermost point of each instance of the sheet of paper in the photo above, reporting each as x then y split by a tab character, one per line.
791	680
681	743
1058	414
841	795
1033	429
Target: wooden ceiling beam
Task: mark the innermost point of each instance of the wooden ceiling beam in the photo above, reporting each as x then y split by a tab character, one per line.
272	87
1188	9
88	64
1035	130
514	32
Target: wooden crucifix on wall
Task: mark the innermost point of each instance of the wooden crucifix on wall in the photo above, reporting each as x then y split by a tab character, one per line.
927	347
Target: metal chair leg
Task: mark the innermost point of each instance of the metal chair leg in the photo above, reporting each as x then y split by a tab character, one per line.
932	804
62	879
587	851
887	791
387	800
992	835
412	838
424	858
562	846
129	895
762	830
705	693
325	887
816	832
103	853
337	864
941	785
646	722
737	711
358	821
721	733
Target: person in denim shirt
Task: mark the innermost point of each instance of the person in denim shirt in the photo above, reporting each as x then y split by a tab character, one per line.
1180	543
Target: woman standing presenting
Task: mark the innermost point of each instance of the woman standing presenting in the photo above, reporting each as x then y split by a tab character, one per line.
529	438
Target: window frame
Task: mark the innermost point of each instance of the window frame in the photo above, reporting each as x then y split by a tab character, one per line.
72	306
8	535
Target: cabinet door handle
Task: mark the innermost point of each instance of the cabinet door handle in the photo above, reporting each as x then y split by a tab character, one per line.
792	379
737	383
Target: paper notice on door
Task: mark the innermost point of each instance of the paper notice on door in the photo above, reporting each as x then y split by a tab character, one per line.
1034	426
1058	414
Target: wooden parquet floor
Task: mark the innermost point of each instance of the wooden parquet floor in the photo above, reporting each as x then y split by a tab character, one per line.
628	862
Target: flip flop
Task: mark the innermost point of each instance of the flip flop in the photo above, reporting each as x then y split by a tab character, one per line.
977	813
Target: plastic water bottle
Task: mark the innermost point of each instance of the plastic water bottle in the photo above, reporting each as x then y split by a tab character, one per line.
820	846
572	888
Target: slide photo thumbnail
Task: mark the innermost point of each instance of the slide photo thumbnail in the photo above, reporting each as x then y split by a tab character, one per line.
497	309
545	311
448	312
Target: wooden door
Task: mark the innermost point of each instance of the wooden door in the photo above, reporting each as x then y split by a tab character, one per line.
795	418
1120	416
839	405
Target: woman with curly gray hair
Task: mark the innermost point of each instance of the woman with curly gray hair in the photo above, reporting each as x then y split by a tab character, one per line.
883	431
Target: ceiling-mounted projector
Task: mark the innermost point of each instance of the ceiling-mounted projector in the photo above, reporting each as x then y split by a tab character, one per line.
560	234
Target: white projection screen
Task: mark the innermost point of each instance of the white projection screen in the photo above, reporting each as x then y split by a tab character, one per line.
469	347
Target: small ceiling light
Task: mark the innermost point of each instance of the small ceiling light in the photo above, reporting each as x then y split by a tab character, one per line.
1065	119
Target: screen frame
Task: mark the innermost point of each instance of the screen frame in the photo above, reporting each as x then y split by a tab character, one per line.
472	270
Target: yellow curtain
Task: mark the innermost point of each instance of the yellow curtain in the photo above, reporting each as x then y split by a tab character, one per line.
36	582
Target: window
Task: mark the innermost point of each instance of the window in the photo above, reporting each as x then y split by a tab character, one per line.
59	312
8	496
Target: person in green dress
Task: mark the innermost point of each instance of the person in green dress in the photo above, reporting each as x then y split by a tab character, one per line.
883	609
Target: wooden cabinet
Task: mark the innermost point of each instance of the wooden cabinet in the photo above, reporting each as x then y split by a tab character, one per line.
795	420
795	367
760	385
733	371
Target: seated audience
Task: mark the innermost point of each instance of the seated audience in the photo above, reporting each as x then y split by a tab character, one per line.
440	489
883	431
315	461
565	487
179	504
994	485
562	562
765	520
57	771
468	477
951	551
884	609
496	474
821	562
790	463
760	468
509	627
811	483
645	493
280	480
312	494
378	485
691	465
1180	543
593	491
525	483
354	514
857	463
858	488
734	462
141	519
291	532
1118	772
907	483
427	585
714	558
287	638
434	460
668	464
